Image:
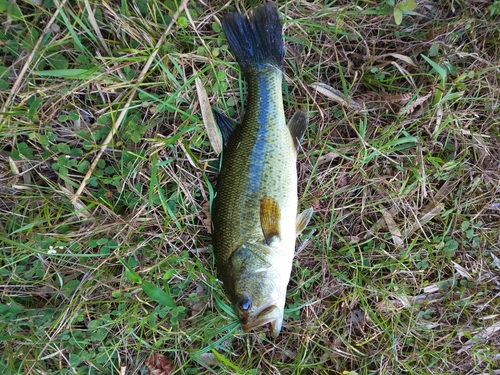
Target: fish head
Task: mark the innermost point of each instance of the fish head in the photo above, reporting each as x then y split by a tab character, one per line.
253	316
258	289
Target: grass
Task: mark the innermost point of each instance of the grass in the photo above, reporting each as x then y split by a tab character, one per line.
114	274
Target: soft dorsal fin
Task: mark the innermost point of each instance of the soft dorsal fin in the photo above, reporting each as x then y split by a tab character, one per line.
297	126
270	218
302	220
226	125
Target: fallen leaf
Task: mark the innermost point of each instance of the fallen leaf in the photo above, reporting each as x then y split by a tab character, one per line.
327	158
208	117
208	359
393	228
205	213
316	205
357	319
158	364
335	95
398	56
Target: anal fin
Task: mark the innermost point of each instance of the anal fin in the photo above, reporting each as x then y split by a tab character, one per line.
297	126
270	218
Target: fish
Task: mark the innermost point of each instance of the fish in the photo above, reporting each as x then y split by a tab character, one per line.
254	210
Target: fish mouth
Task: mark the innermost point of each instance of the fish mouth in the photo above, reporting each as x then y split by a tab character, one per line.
269	314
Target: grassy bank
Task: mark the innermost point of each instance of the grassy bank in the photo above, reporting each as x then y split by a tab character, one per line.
106	170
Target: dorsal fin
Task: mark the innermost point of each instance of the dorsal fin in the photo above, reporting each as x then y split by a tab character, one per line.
226	125
270	218
297	126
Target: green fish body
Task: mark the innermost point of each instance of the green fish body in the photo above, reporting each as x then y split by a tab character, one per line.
254	211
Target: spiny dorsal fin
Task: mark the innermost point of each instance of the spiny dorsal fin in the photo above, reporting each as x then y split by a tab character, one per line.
302	220
297	126
270	218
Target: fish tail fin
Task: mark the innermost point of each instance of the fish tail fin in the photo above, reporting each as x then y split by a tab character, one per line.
257	39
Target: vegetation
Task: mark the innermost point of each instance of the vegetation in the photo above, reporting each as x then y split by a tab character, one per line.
106	168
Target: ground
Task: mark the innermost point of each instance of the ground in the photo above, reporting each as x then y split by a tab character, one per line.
106	169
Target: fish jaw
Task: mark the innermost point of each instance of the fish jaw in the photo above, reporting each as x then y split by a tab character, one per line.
269	314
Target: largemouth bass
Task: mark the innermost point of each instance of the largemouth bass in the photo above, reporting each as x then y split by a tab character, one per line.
254	212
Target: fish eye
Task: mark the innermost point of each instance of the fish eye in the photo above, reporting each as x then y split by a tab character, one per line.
245	304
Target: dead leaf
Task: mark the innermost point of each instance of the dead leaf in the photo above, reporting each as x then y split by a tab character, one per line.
357	320
393	228
398	56
335	95
482	335
434	208
205	213
79	206
158	364
462	271
208	359
393	303
431	211
199	306
316	205
327	158
208	117
410	108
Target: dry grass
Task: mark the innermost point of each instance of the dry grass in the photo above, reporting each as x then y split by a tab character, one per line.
400	273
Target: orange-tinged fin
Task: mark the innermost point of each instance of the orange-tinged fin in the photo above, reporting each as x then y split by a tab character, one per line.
270	218
297	126
302	220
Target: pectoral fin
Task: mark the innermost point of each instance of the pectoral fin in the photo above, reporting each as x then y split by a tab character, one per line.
297	126
270	218
302	220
